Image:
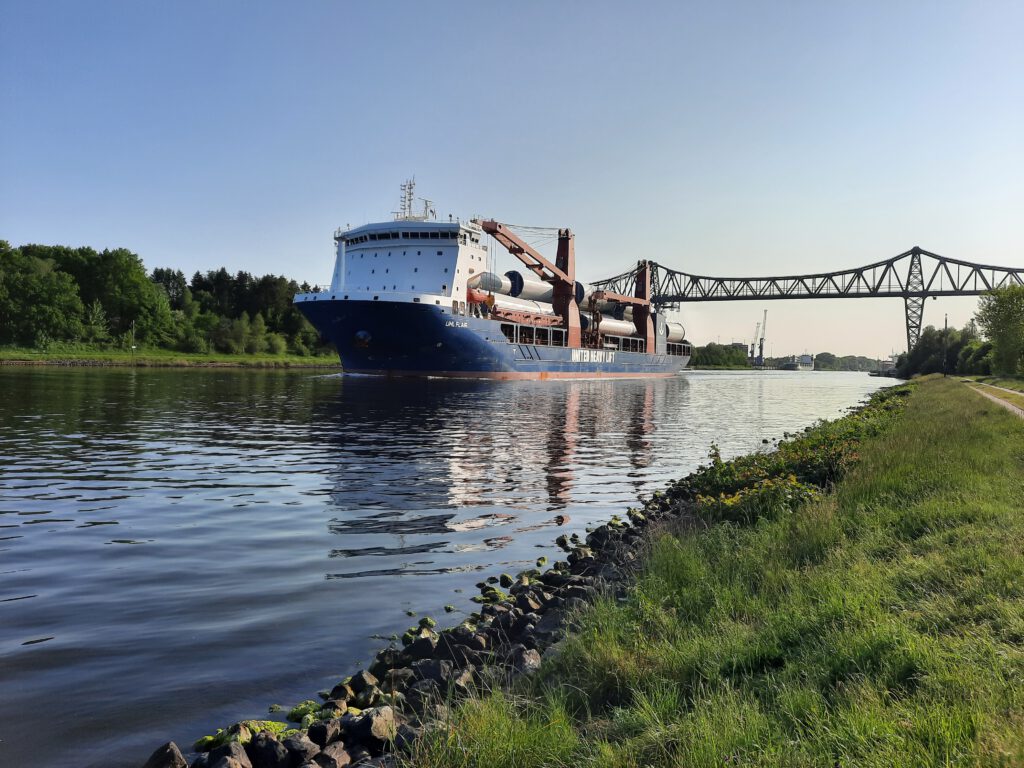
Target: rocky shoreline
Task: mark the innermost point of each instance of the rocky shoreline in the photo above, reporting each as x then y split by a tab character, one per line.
370	717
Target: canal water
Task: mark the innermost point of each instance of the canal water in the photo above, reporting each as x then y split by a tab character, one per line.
180	549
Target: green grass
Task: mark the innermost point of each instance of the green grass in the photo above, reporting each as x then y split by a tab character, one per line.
71	355
1008	382
878	624
1010	397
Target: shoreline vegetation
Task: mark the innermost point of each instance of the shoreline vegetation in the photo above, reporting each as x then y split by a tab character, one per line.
57	301
851	597
161	358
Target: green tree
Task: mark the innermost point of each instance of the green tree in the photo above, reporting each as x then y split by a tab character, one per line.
174	285
256	339
826	361
1001	318
37	302
95	328
719	355
276	345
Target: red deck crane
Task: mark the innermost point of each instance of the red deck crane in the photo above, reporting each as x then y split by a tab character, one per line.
562	277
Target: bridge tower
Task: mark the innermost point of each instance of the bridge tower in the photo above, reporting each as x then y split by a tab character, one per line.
914	299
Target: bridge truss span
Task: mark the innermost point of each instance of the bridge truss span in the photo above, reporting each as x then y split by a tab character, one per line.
912	276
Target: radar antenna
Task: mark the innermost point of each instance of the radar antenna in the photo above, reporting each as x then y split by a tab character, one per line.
404	212
405	203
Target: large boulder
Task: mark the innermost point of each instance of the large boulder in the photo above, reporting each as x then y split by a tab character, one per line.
433	669
422	648
230	762
523	660
334	755
167	756
374	728
233	750
301	747
397	679
362	680
389	658
324	732
265	751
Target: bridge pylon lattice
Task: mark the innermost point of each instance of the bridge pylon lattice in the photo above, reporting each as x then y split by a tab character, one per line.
914	300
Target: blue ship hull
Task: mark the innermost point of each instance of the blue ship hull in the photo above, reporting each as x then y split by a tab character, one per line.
407	339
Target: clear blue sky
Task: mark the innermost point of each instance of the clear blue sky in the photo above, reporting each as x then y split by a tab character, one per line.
729	138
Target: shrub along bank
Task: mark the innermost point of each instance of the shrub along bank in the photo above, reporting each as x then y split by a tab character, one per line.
879	622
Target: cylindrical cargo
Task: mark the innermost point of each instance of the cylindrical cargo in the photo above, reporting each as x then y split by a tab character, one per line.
609	308
609	325
623	312
675	332
510	303
488	281
537	290
524	288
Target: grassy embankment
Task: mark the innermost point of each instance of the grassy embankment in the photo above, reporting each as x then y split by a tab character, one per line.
161	358
879	624
1009	382
1016	383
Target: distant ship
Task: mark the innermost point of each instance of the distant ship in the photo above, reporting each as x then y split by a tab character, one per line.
413	297
801	363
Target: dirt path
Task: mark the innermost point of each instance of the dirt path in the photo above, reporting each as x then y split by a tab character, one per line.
1017	410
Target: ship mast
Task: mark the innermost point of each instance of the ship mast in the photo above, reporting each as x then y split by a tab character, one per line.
408	195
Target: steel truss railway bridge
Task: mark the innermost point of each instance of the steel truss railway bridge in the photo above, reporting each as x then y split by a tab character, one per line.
913	276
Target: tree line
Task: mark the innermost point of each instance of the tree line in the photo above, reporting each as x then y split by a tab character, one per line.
992	343
714	355
106	299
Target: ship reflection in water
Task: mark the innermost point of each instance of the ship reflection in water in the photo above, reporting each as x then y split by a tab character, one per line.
450	469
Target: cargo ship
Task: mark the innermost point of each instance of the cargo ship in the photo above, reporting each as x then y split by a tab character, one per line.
413	296
801	363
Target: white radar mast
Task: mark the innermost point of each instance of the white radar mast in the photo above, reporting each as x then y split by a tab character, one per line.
404	212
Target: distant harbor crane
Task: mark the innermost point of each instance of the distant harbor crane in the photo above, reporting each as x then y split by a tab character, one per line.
756	355
759	360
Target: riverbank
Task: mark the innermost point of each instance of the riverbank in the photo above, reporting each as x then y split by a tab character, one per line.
160	358
406	691
875	624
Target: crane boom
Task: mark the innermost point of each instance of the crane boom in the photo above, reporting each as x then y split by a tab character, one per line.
561	274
